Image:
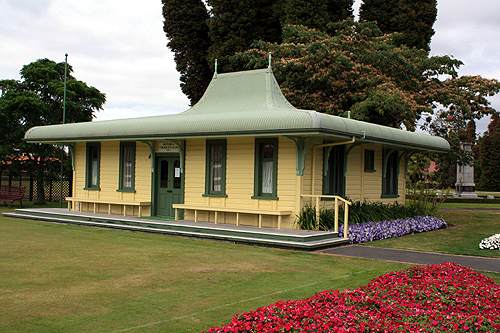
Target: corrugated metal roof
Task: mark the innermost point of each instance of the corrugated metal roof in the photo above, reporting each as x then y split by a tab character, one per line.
240	103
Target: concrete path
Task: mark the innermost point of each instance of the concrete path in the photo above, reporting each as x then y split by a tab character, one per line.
415	257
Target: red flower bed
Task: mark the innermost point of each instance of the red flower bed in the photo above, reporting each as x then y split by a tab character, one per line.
434	298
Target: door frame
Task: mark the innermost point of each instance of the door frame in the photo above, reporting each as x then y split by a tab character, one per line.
155	185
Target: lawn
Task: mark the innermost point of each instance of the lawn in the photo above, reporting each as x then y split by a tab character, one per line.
469	227
63	278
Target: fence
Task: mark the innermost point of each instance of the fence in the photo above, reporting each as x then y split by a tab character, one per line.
52	188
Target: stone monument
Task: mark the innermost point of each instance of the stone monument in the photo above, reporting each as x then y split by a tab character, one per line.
465	187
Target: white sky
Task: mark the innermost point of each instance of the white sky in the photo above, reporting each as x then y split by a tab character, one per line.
118	46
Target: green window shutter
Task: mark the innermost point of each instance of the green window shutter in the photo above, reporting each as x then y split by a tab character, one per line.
215	168
266	169
390	174
126	178
93	162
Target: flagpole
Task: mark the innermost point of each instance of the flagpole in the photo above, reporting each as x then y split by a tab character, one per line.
63	121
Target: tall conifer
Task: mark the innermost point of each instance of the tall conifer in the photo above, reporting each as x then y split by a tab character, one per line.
236	24
412	18
186	28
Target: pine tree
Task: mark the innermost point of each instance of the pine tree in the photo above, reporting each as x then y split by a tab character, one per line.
316	14
186	28
489	157
413	19
235	24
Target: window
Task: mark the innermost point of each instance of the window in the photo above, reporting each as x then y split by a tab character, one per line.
215	170
369	160
127	167
93	164
390	180
333	182
266	169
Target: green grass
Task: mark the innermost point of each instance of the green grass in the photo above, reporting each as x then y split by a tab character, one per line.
463	238
470	205
63	278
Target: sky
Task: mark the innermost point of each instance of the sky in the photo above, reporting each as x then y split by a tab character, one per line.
119	47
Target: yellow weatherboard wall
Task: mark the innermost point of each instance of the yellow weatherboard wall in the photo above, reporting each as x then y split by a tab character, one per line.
109	178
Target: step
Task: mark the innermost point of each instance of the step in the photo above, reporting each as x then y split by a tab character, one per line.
268	237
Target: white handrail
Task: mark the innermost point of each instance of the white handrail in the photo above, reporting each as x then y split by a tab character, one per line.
345	202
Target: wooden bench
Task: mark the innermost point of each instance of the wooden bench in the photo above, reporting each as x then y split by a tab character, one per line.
72	202
11	194
238	211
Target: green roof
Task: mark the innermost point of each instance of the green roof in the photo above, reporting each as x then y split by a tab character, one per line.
248	103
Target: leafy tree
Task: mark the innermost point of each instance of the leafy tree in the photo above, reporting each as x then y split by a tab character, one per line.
36	100
356	67
413	19
186	28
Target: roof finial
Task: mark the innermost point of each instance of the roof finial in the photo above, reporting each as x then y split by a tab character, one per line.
270	60
215	73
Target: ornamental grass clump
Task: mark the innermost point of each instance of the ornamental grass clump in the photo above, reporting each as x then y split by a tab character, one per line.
490	243
435	298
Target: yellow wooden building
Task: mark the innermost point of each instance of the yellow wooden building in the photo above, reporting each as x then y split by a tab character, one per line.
242	155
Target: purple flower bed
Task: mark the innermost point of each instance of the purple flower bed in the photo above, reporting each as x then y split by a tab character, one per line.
369	231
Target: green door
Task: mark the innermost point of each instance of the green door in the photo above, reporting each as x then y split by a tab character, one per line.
168	185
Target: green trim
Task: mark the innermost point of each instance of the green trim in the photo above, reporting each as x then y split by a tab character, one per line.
370	153
92	188
71	148
301	145
390	192
259	160
264	198
338	174
152	155
389	196
88	166
121	187
208	167
214	195
182	151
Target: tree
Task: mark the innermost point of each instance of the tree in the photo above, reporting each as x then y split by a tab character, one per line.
198	34
316	14
489	157
236	24
413	19
37	100
355	67
186	28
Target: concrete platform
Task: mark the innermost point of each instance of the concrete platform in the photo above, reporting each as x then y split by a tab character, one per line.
283	238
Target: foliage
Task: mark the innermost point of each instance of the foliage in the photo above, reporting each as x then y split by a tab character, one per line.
490	243
434	298
186	28
372	230
488	152
199	34
425	197
413	19
316	14
359	212
37	100
356	67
